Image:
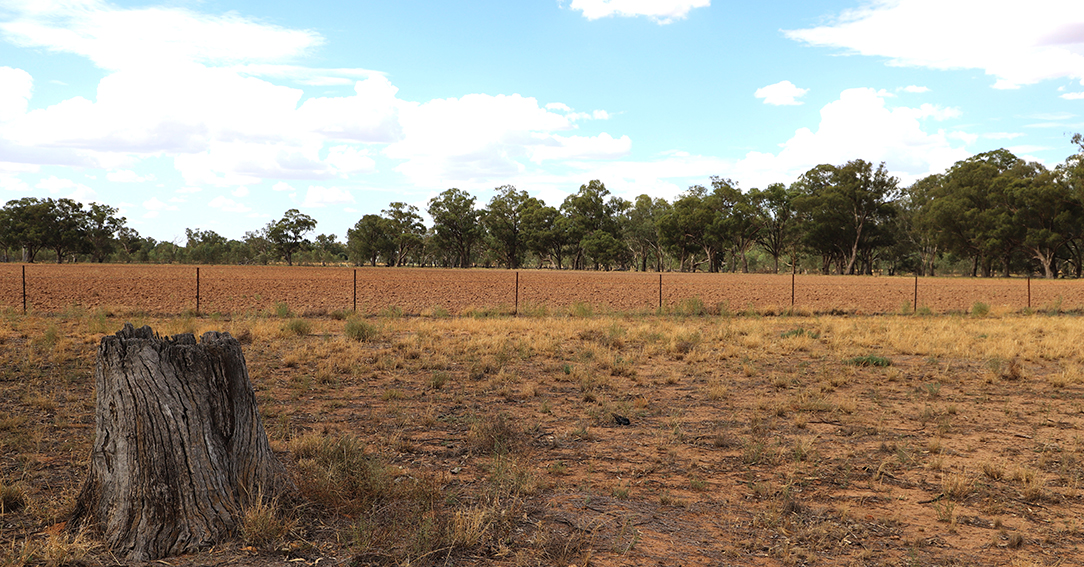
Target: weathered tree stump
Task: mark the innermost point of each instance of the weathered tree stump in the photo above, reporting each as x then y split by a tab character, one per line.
179	448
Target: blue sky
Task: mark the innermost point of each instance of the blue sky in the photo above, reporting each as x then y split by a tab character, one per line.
222	115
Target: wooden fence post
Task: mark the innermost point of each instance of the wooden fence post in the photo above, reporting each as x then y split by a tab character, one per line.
793	270
915	306
24	289
197	291
660	293
516	311
355	291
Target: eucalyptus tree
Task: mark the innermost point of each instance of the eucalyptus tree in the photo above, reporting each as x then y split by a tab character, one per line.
24	223
369	240
65	228
683	229
260	249
101	226
843	206
1070	175
778	219
546	233
456	224
205	246
288	233
917	225
587	211
1046	211
823	225
737	222
406	231
503	219
971	209
132	244
640	231
604	250
328	249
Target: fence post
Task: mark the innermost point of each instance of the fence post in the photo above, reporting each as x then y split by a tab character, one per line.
1029	289
197	291
515	312
660	293
355	291
793	270
24	289
915	306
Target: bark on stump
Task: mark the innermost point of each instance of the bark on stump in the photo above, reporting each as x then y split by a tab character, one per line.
179	449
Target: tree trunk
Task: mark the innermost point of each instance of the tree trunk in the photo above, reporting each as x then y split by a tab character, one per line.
179	449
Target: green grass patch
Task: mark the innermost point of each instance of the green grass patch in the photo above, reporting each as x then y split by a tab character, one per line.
868	360
361	330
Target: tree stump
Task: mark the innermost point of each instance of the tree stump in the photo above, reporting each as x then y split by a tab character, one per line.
179	449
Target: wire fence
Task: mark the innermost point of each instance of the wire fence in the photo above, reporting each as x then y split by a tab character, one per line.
234	290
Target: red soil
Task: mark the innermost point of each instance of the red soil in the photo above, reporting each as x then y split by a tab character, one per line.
237	289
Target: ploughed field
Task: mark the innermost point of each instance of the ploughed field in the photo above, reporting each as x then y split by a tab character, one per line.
157	289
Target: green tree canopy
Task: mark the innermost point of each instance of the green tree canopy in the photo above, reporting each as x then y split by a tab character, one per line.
288	233
456	224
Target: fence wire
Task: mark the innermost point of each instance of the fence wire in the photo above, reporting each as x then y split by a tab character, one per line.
234	290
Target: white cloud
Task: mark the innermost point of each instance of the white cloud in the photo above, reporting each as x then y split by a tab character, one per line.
224	123
307	75
345	160
227	164
70	189
16	86
83	194
127	176
227	205
1073	96
602	146
661	11
928	110
480	137
240	192
155	207
222	128
106	34
12	167
858	126
1016	46
13	183
208	103
1002	135
1025	149
370	115
915	89
781	93
318	196
665	176
54	184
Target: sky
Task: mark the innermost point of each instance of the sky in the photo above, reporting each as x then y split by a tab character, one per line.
222	115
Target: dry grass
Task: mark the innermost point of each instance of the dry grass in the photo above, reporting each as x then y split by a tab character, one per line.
492	439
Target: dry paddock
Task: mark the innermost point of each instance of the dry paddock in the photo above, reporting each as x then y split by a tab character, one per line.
172	289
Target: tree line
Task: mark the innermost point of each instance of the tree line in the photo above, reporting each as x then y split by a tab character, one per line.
990	214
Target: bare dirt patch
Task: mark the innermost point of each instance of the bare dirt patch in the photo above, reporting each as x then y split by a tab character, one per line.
320	290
